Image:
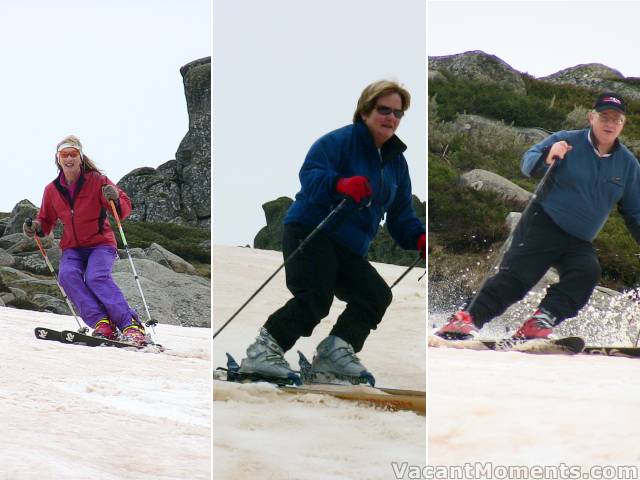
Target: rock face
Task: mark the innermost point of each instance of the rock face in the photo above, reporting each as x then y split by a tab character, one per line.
179	191
480	67
383	248
597	77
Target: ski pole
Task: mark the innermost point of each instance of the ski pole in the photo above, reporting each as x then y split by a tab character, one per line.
332	214
507	243
149	323
81	329
404	274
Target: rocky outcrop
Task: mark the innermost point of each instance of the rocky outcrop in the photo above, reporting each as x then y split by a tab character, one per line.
465	123
20	212
179	191
174	292
270	236
480	67
598	77
383	248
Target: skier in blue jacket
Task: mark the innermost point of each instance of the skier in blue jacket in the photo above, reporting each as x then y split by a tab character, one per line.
363	162
595	172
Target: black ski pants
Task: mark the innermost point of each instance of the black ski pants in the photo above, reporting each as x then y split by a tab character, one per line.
322	270
538	244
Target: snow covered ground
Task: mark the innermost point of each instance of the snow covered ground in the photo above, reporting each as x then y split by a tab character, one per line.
261	432
522	409
75	412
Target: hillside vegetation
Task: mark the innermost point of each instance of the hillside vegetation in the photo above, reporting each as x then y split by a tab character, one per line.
464	225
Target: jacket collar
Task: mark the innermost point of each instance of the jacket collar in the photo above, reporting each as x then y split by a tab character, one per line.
390	149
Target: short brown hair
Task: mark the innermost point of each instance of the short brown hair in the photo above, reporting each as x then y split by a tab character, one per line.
371	94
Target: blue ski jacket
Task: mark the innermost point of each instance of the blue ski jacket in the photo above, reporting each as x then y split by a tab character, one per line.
585	187
347	152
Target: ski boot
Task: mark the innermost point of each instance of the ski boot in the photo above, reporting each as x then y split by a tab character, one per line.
460	326
265	362
134	334
540	325
105	329
334	360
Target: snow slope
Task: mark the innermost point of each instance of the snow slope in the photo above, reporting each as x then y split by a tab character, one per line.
520	409
75	412
261	431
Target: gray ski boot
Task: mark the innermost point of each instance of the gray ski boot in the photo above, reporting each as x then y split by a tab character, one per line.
265	362
334	360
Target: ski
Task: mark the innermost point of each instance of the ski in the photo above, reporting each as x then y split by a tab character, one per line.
68	336
565	345
629	352
43	333
393	399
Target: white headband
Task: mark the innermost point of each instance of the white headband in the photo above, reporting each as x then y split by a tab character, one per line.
70	145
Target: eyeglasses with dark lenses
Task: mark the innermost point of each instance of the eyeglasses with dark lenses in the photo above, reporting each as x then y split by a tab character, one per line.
388	110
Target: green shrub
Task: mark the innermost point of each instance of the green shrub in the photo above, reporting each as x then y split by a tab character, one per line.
462	219
185	241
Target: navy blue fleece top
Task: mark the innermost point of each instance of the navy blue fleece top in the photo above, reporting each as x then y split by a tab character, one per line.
585	187
347	152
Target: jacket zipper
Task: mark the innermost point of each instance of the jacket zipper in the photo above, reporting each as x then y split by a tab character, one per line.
73	227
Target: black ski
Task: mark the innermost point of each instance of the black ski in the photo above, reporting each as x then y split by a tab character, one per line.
43	333
68	336
629	352
567	345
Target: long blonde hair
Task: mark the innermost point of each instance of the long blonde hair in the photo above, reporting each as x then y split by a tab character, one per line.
88	165
371	94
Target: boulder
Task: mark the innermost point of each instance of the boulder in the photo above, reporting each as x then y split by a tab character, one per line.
20	212
35	263
18	243
164	257
47	303
173	298
483	180
480	67
465	123
6	259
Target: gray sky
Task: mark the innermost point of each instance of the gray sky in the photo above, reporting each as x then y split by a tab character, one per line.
107	72
285	72
539	37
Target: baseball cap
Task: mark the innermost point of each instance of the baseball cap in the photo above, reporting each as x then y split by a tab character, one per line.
610	100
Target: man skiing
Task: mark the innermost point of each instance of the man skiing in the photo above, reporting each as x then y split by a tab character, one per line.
364	163
594	172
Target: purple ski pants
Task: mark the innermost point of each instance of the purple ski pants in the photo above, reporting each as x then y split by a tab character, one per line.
85	275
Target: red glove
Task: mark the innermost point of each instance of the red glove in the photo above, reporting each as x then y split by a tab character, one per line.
357	188
422	245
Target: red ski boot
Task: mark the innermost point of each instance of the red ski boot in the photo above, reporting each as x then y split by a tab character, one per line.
540	325
105	329
459	327
134	334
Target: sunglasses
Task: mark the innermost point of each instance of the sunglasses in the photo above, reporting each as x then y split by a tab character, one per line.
65	155
388	110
